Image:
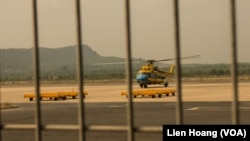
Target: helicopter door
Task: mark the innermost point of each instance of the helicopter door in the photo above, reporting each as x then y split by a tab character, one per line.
152	78
158	79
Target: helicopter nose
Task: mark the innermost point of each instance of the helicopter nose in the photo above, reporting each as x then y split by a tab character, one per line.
141	78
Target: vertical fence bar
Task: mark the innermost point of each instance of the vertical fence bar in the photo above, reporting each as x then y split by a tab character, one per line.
130	116
36	72
81	110
234	71
179	111
1	126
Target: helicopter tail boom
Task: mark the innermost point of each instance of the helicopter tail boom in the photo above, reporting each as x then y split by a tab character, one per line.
171	69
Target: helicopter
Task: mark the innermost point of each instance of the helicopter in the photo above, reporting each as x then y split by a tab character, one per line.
150	74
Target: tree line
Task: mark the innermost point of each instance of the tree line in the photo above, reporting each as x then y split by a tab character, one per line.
68	73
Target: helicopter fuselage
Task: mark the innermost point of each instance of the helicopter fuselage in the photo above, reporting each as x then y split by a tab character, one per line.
149	77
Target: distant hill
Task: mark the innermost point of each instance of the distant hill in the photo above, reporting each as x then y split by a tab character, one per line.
50	58
53	61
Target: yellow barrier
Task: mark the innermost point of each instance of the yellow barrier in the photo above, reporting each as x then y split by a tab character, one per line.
151	92
55	95
72	94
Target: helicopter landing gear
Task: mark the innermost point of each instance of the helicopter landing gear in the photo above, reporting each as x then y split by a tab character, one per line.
165	84
143	85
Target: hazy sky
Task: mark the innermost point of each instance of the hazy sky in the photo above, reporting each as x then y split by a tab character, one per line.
205	27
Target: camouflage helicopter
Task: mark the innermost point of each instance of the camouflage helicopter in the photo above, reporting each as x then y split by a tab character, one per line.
150	74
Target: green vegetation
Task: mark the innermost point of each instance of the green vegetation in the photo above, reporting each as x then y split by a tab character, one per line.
214	69
60	65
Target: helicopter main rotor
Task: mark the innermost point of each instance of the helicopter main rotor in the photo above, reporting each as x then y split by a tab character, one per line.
149	61
187	57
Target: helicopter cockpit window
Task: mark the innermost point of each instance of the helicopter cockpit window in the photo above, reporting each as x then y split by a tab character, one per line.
143	73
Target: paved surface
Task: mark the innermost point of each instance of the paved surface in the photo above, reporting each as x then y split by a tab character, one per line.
114	113
203	104
112	93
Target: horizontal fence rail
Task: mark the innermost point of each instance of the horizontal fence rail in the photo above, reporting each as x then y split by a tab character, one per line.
77	127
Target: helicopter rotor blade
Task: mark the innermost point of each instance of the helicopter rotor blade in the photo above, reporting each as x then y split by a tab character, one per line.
187	57
114	63
149	61
191	57
165	60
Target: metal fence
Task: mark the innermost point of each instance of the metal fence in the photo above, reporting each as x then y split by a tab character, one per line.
130	127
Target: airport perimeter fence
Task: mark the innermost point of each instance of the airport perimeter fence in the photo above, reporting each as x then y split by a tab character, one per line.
130	127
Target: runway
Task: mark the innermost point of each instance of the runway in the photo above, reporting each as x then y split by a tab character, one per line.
114	113
104	105
112	93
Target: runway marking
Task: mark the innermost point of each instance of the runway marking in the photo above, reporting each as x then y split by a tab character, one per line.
215	108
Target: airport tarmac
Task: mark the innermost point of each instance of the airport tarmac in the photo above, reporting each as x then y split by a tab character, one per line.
112	93
207	103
